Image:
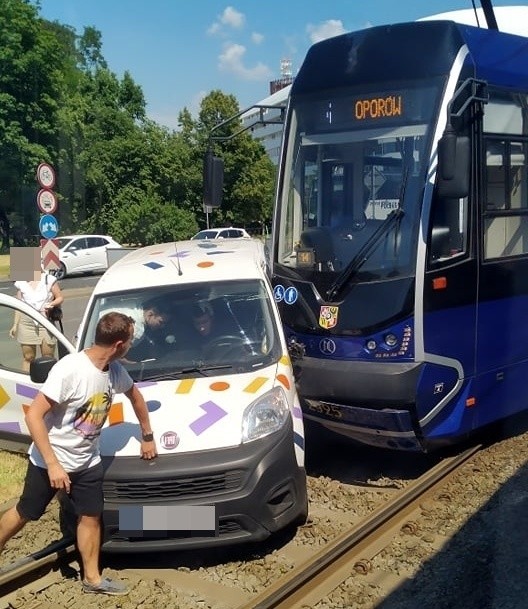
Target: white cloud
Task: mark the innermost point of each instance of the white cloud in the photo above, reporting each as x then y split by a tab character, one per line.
326	29
257	38
232	60
213	28
230	18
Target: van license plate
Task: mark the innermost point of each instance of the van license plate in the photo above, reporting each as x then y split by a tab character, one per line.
191	519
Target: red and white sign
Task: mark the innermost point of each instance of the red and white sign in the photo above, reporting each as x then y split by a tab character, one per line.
46	201
46	175
50	254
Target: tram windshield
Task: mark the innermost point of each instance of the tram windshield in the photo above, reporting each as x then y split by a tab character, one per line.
351	161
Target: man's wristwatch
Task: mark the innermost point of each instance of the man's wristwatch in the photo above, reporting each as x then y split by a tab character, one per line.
148	437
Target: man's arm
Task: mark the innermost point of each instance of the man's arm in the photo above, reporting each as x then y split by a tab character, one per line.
148	447
59	479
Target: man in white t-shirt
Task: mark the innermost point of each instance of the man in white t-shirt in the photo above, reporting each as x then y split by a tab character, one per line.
65	420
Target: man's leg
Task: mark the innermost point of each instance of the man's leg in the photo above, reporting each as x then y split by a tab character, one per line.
89	542
35	498
86	494
10	524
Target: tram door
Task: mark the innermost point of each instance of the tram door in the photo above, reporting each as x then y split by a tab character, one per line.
502	331
450	310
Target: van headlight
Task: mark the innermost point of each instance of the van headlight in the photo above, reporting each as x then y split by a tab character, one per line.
265	415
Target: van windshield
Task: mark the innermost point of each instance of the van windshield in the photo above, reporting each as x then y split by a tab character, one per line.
192	331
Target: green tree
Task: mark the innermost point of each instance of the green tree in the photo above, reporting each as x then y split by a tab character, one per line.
31	85
146	219
249	174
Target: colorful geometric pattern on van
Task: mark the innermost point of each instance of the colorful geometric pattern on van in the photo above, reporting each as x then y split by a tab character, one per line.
25	391
4	397
153	265
298	439
213	413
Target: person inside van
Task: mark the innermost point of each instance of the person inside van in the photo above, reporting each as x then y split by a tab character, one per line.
150	339
206	325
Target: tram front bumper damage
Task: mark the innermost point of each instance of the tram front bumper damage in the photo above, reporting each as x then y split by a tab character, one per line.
368	402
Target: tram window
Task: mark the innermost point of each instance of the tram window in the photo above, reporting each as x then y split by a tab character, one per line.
506	232
504	113
448	233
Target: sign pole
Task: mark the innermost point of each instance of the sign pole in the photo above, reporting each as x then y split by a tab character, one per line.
48	224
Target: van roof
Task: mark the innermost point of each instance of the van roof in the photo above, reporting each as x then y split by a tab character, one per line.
185	262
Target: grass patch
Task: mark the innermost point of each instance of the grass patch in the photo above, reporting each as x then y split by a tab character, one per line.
4	265
12	472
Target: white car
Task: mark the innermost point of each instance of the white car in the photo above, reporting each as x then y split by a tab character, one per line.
222	233
83	254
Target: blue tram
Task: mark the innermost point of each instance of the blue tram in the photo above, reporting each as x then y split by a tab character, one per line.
400	238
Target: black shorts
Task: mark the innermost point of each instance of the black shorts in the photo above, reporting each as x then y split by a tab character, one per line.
86	492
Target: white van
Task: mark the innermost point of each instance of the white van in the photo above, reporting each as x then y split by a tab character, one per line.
224	411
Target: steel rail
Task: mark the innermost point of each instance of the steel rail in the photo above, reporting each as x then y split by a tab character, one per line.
32	567
291	589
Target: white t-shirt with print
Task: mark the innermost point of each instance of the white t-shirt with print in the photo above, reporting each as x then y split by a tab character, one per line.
83	396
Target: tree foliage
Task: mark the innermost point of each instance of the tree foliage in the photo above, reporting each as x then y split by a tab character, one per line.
117	171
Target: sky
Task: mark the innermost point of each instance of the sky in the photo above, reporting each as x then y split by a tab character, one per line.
180	50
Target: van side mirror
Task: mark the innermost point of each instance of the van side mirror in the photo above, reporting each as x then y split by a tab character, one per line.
39	368
213	180
453	165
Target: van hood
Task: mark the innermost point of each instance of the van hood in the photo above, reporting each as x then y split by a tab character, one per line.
194	413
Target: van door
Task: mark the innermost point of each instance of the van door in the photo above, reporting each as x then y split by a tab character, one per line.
16	387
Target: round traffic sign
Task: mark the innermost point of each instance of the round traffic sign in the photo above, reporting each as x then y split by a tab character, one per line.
46	201
48	226
46	175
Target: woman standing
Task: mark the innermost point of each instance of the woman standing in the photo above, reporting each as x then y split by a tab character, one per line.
42	294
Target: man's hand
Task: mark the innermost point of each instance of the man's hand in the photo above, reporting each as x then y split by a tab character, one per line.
59	479
148	450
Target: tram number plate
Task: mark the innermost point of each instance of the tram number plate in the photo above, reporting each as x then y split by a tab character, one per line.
330	410
192	519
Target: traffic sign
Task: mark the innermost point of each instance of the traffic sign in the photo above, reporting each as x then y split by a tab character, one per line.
46	201
50	253
48	226
46	175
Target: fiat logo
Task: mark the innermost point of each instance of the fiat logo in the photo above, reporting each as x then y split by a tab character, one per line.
327	346
169	440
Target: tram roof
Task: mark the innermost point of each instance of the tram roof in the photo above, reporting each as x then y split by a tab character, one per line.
411	51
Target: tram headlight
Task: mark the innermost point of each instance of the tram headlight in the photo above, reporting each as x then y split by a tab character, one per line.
372	345
391	340
265	415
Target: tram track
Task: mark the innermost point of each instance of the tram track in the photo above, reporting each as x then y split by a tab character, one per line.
353	550
316	571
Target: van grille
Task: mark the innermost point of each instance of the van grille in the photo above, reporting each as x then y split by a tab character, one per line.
173	488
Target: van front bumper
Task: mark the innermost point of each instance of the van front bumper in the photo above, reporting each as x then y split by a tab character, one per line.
256	489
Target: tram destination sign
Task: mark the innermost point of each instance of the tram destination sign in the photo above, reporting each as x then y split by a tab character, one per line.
369	109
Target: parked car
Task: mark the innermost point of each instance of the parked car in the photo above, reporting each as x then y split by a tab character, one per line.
222	233
83	254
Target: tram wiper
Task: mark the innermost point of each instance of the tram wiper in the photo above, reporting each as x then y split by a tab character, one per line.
364	253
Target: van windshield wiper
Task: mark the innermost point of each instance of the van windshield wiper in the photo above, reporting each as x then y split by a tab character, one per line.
173	374
364	253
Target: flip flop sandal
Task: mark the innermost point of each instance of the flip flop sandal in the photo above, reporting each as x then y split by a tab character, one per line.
106	586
